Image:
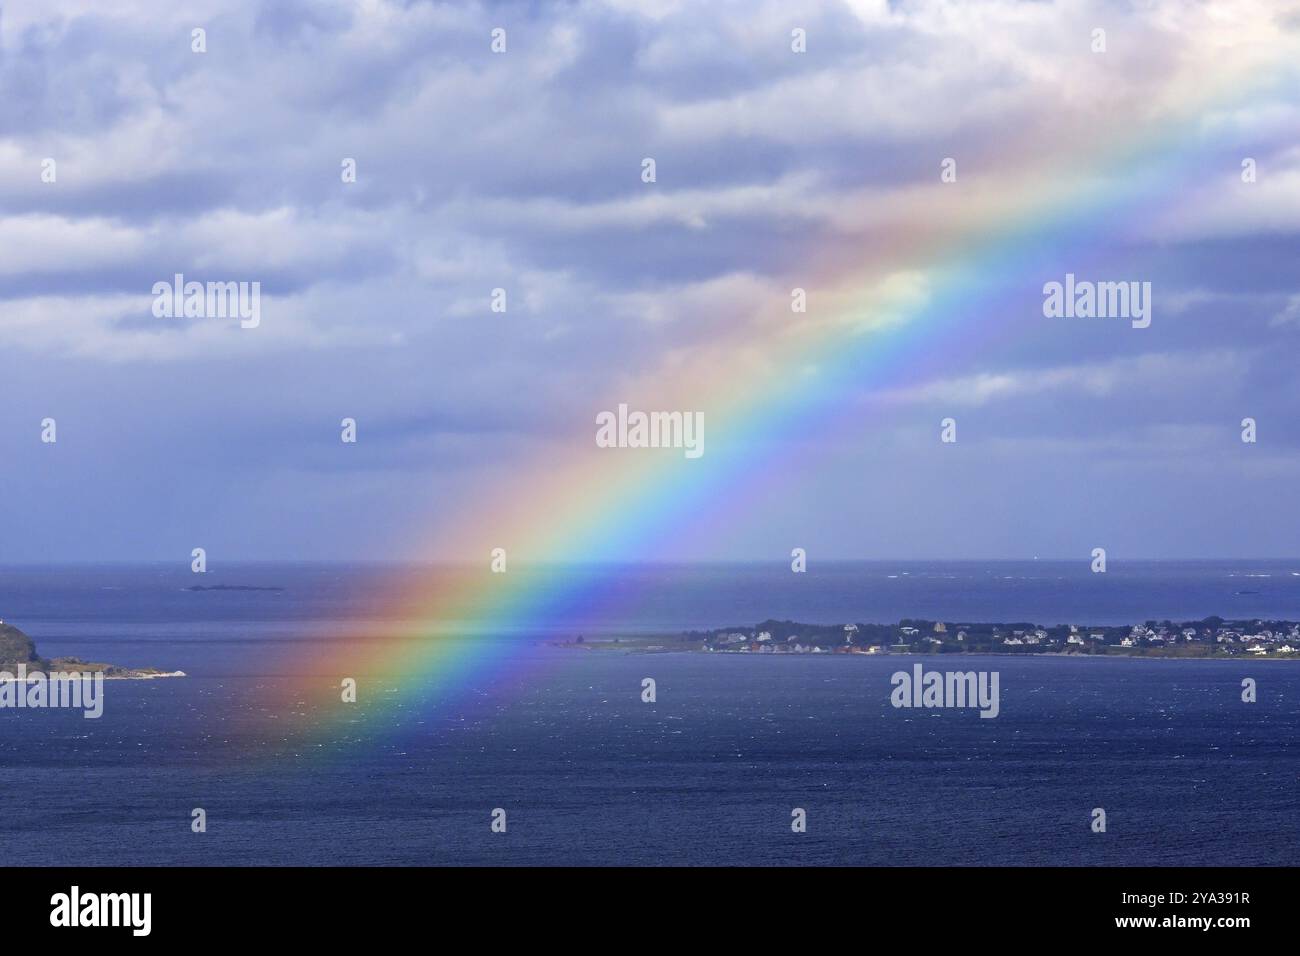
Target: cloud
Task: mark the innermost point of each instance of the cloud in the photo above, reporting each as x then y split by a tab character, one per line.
1155	371
1290	314
522	171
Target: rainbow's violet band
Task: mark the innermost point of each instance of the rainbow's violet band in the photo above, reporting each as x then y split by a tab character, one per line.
621	504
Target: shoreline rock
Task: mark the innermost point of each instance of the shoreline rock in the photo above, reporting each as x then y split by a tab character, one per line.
17	648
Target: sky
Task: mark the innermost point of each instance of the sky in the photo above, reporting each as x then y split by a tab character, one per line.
523	170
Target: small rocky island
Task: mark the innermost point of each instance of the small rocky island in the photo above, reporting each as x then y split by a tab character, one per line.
230	587
17	648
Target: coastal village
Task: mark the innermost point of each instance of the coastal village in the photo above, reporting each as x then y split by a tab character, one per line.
1212	637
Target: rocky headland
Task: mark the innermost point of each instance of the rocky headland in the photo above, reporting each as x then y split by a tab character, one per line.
16	648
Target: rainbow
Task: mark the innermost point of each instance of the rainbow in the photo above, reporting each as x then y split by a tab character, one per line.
919	272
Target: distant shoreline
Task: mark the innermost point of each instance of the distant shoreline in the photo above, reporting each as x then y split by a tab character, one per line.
20	662
82	671
1212	638
635	646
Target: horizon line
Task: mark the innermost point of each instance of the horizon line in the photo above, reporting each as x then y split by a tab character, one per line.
669	562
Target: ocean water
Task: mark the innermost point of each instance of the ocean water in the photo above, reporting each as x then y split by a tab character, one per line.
708	774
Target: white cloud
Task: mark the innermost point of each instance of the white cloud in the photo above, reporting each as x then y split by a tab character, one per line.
1153	371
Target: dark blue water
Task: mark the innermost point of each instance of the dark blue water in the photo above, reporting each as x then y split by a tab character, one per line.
587	773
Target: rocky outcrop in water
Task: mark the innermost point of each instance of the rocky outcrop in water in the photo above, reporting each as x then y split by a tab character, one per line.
16	648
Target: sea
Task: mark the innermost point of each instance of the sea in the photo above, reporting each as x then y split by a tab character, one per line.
559	745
